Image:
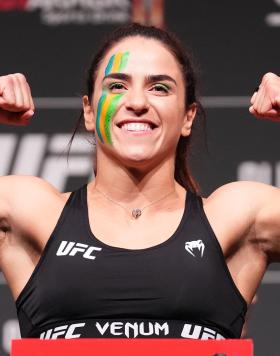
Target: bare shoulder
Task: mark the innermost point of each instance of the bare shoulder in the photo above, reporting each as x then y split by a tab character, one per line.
25	180
23	195
14	187
249	195
235	208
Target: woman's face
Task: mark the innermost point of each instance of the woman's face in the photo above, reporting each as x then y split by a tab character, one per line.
138	107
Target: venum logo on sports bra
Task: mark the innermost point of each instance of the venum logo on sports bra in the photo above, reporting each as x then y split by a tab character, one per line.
70	248
190	246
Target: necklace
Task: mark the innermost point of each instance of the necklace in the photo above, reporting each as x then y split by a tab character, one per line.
136	212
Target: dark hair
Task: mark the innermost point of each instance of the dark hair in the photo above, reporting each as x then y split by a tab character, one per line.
170	41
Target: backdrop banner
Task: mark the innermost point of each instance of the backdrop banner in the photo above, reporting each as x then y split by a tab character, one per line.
234	43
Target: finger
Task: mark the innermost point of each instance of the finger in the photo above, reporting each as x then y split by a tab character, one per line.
257	104
30	99
273	114
8	98
262	104
253	98
27	115
2	102
32	105
275	118
252	110
13	118
18	93
25	92
269	77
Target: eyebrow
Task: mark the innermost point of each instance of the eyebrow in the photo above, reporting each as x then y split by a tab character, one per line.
148	79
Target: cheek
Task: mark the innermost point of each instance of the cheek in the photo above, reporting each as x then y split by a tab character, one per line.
170	110
106	108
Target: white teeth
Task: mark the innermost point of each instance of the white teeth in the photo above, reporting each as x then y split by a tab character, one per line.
139	126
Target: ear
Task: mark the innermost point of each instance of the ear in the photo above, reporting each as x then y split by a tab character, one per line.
188	119
88	114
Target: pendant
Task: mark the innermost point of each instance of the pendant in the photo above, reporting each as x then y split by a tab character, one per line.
136	213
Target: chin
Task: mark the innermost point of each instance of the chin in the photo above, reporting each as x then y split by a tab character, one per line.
135	152
137	159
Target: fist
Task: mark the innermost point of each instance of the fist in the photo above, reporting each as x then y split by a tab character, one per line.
265	103
16	104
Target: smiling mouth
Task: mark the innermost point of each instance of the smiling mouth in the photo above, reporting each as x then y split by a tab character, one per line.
136	126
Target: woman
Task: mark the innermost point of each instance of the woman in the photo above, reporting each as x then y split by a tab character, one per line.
136	253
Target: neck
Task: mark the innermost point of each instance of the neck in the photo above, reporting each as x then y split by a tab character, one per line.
135	186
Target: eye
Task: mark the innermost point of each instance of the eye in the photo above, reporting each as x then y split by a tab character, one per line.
116	87
160	88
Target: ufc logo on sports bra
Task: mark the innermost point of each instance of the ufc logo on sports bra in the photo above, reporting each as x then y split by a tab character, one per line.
69	248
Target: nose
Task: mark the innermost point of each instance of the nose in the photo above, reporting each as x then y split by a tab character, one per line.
137	101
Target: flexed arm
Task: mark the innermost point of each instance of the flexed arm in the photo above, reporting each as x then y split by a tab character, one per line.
16	103
265	104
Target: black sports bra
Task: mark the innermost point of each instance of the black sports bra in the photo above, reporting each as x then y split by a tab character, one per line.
82	287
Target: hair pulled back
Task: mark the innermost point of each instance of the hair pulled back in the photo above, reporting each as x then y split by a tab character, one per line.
182	173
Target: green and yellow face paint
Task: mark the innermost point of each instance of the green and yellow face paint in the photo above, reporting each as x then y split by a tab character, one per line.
108	102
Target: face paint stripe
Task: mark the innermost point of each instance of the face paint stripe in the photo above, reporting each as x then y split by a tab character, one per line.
109	65
123	60
98	115
110	112
103	115
117	61
107	104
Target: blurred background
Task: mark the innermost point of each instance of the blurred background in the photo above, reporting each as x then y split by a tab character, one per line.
234	43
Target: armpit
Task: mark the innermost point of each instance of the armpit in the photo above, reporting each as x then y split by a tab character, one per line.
4	228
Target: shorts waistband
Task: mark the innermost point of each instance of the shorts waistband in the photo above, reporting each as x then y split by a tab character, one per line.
127	328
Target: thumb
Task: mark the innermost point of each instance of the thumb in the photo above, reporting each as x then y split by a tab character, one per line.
2	100
27	115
